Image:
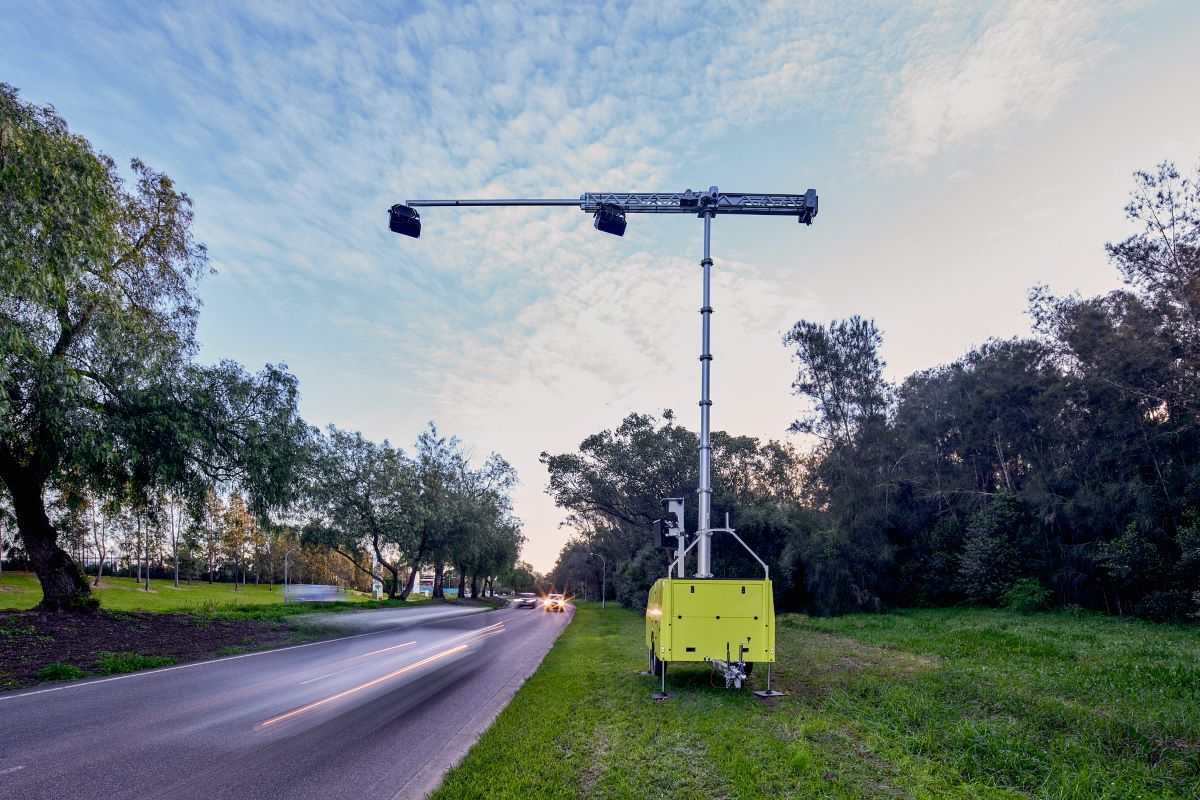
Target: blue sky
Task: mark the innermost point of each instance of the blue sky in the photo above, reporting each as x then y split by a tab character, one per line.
963	152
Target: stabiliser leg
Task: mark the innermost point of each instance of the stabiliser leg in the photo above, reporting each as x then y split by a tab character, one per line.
769	692
663	694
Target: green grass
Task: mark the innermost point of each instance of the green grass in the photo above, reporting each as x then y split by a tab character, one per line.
116	663
59	671
958	703
20	590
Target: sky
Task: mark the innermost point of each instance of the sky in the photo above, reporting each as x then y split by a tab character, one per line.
963	153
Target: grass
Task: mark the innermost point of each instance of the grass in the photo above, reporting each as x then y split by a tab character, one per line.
960	703
20	590
116	663
59	671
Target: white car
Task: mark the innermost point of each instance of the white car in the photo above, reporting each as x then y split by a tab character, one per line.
554	602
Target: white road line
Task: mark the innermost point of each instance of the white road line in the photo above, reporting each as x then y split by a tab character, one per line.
11	769
161	670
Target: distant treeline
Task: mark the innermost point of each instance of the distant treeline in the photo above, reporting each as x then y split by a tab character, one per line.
1060	469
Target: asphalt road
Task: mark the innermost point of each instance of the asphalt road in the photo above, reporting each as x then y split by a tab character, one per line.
378	714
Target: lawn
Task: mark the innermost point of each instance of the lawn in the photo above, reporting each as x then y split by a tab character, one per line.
20	590
960	703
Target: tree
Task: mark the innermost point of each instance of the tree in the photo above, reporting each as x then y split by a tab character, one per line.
96	282
97	324
366	499
175	519
212	529
841	374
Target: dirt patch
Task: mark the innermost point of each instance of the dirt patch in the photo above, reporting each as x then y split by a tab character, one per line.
812	664
31	640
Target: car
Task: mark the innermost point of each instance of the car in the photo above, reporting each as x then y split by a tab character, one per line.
554	602
524	600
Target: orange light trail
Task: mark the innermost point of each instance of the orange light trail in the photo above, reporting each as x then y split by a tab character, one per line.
360	687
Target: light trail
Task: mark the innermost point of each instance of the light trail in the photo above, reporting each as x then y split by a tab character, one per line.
355	658
482	633
360	687
384	650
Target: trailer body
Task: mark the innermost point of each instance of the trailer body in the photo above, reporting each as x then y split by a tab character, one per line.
702	619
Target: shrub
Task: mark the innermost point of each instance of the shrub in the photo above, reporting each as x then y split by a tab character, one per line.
1166	606
113	663
1026	596
59	671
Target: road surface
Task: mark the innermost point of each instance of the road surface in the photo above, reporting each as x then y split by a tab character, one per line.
379	714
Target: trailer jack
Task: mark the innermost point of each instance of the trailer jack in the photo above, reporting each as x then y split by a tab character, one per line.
734	672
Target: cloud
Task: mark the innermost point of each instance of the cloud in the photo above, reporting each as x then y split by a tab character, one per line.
1017	69
295	126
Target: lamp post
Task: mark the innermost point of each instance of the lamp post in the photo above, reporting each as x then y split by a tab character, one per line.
285	573
603	575
609	210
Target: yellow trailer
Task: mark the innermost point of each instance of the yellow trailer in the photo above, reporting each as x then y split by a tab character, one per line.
725	622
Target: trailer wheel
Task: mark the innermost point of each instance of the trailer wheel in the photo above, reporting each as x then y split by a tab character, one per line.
656	666
749	668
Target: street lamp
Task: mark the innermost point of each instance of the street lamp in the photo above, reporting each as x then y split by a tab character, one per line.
285	573
603	575
609	210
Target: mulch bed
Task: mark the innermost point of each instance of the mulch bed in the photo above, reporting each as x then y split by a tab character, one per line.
31	640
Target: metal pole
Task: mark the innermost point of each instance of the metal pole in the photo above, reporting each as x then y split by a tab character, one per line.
704	492
285	573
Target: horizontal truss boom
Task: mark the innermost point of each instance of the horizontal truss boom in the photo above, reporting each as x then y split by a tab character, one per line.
686	202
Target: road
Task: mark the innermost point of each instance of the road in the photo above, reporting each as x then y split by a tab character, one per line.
378	714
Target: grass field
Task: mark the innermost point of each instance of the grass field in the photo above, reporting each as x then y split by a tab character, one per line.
20	590
955	703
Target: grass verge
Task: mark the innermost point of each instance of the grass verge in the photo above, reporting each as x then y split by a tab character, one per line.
956	703
20	590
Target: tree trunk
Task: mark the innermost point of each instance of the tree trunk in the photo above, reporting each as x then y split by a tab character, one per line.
394	583
462	583
411	584
175	553
64	587
475	586
439	571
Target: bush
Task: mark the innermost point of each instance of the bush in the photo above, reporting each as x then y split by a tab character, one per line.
59	671
1166	606
113	663
1026	596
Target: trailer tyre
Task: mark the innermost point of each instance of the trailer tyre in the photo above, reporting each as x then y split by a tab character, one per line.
656	666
